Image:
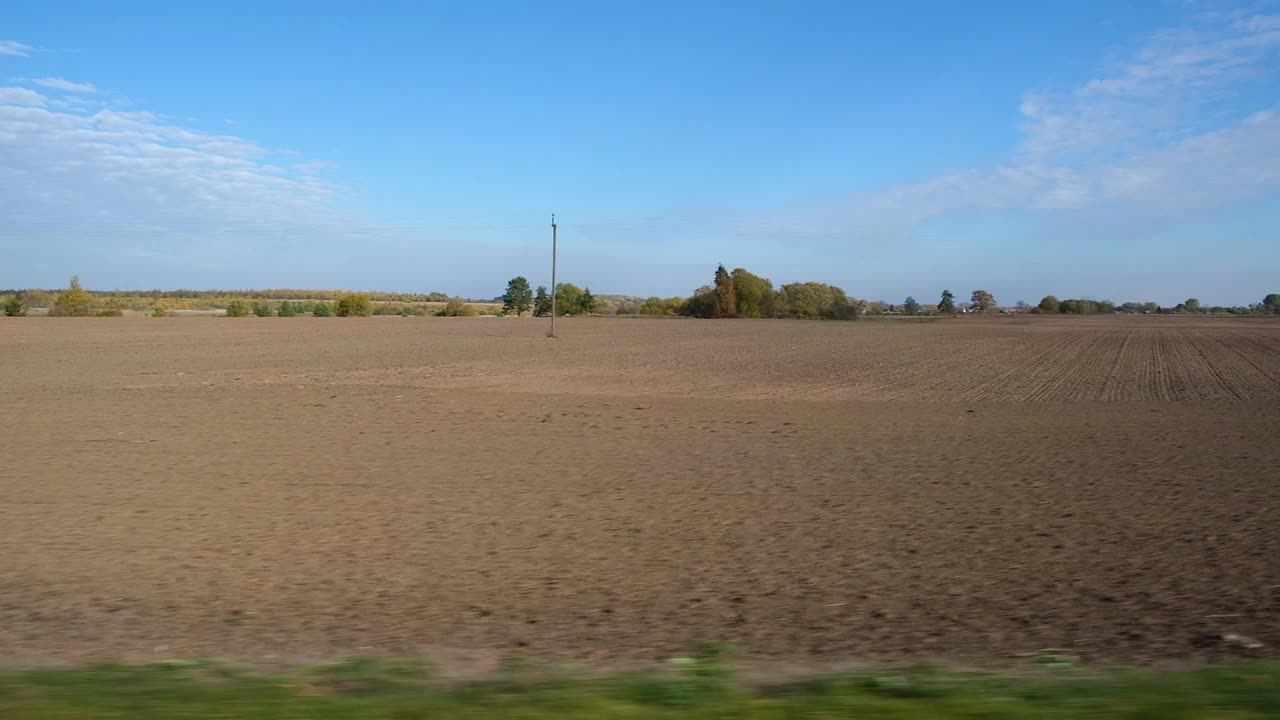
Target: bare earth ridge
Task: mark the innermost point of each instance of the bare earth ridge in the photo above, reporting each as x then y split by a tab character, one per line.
965	490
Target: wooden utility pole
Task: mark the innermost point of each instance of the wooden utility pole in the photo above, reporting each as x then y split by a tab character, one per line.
553	276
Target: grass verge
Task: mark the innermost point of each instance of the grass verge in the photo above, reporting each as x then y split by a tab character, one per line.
699	687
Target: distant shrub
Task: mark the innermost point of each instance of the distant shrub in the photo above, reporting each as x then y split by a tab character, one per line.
286	309
322	309
627	307
112	308
237	308
701	304
456	308
36	298
262	309
661	306
353	305
403	310
15	306
159	311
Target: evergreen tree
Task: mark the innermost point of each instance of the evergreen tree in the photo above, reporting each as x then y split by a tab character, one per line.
587	303
910	306
518	298
541	302
948	303
725	300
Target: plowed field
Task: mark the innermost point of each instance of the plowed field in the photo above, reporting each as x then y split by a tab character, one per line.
959	490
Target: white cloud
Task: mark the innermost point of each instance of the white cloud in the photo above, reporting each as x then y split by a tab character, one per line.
1122	154
114	186
1130	143
1153	93
10	47
65	85
20	96
1164	133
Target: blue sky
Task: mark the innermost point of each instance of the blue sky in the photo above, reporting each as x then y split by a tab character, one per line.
1122	150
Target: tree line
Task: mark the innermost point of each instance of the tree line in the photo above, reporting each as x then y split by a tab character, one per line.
76	301
740	293
731	294
569	299
348	305
1270	305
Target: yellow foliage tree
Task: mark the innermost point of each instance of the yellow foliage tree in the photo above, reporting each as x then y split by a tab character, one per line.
72	302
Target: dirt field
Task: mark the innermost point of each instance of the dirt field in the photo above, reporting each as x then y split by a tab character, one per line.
815	492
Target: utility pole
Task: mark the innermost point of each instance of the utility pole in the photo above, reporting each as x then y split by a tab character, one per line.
553	276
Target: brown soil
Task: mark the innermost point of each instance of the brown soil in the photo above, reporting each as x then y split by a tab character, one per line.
961	490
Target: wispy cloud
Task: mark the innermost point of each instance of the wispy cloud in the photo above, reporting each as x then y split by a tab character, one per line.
65	85
20	96
10	47
1160	134
1152	96
1132	142
130	187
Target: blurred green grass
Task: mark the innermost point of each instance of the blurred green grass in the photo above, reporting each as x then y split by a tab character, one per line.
700	687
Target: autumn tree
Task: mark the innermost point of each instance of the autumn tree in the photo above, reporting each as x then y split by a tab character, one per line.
113	307
752	294
983	301
72	302
353	305
815	300
948	303
661	306
518	298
